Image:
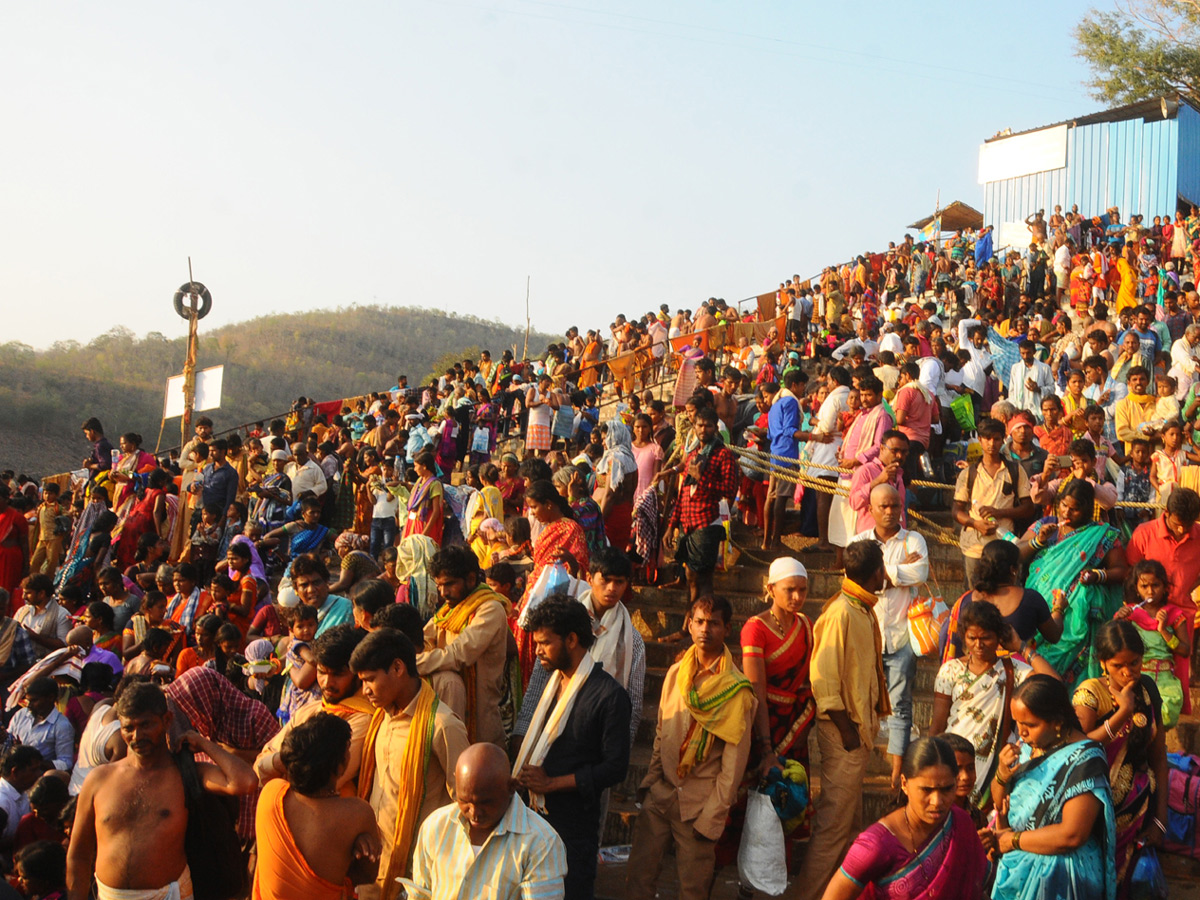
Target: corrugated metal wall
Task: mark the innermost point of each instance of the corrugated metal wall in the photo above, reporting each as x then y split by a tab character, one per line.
1189	154
1132	165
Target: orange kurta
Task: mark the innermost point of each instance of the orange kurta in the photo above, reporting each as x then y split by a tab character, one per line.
282	872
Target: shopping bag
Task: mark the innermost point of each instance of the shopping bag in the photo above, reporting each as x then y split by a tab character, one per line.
481	440
554	577
964	411
762	857
1147	881
925	618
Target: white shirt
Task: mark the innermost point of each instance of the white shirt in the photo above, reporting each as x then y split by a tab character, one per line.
932	373
891	341
870	348
827	423
1023	398
15	804
1062	257
308	477
385	506
53	619
892	609
1184	355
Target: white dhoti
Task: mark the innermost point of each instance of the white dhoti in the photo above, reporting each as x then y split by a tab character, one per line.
180	889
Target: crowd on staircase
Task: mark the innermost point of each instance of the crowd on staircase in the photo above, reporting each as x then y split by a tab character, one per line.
400	632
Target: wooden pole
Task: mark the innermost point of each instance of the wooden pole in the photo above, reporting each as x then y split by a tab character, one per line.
525	352
189	402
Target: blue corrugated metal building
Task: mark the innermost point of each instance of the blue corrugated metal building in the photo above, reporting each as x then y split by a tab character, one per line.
1143	159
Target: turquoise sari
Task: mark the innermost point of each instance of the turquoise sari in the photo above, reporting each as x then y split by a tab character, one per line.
1040	789
1059	567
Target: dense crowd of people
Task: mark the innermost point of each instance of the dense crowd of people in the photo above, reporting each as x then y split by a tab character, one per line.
385	645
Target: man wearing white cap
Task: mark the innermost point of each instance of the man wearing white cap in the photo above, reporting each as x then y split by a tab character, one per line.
906	562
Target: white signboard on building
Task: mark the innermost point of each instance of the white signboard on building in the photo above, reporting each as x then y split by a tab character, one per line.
1023	154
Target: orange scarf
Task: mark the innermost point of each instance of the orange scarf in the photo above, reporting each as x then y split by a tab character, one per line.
413	766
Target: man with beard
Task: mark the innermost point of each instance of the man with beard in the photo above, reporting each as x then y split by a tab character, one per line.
141	796
341	695
578	740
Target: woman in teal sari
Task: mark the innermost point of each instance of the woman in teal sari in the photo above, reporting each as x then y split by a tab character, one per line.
1058	836
1078	565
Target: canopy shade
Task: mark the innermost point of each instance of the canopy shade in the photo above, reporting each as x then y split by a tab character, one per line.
955	217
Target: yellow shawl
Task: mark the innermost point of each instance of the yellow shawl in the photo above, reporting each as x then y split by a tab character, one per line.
454	620
720	707
417	751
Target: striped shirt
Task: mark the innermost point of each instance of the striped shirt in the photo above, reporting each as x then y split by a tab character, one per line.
522	859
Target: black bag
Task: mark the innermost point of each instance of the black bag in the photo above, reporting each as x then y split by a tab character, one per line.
214	851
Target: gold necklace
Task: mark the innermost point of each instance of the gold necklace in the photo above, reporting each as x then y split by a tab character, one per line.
778	625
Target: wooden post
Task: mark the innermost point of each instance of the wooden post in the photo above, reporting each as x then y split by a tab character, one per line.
525	352
183	519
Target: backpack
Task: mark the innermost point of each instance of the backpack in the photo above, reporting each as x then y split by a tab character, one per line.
1183	802
1014	476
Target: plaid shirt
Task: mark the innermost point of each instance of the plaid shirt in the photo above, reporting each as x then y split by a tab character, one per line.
699	504
222	713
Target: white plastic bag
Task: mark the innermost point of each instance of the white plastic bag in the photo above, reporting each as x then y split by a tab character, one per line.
553	578
762	858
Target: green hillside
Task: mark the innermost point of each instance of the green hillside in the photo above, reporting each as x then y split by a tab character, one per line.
269	361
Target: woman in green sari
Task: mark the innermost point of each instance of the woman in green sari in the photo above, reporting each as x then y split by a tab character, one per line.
1078	565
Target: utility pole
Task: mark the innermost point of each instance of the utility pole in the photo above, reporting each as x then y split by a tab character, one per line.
525	352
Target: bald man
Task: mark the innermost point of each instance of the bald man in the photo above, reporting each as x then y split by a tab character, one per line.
906	562
487	843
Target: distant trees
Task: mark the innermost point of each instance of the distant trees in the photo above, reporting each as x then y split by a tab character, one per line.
270	361
1142	49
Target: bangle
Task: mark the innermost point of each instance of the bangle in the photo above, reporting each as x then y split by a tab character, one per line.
1102	574
1172	642
1159	825
1016	840
1108	729
1059	607
1003	782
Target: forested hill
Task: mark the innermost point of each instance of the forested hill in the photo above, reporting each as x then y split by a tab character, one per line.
269	362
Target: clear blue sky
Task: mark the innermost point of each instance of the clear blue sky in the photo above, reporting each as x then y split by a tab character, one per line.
435	152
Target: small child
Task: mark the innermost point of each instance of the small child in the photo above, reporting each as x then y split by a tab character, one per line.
153	660
300	665
1105	450
219	588
853	408
519	552
490	538
202	548
1075	404
1166	407
504	580
42	870
47	798
1163	628
1166	464
153	614
1045	487
388	559
1136	486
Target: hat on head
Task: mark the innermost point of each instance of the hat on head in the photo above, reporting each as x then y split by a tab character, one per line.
786	567
516	379
280	454
792	354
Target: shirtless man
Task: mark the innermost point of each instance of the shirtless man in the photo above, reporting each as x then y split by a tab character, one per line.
121	803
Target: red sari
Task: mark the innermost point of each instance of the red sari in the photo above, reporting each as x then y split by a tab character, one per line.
14	535
790	704
791	710
139	521
420	510
565	534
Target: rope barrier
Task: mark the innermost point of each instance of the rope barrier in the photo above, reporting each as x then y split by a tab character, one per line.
842	470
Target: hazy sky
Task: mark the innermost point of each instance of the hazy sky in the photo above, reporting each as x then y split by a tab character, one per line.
435	152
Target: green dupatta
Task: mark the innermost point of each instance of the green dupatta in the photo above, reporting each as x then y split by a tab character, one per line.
1089	605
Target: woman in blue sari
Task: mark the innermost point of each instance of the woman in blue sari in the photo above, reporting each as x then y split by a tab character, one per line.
1057	825
1078	566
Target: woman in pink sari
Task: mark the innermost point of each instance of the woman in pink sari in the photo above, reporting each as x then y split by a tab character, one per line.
927	849
134	461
